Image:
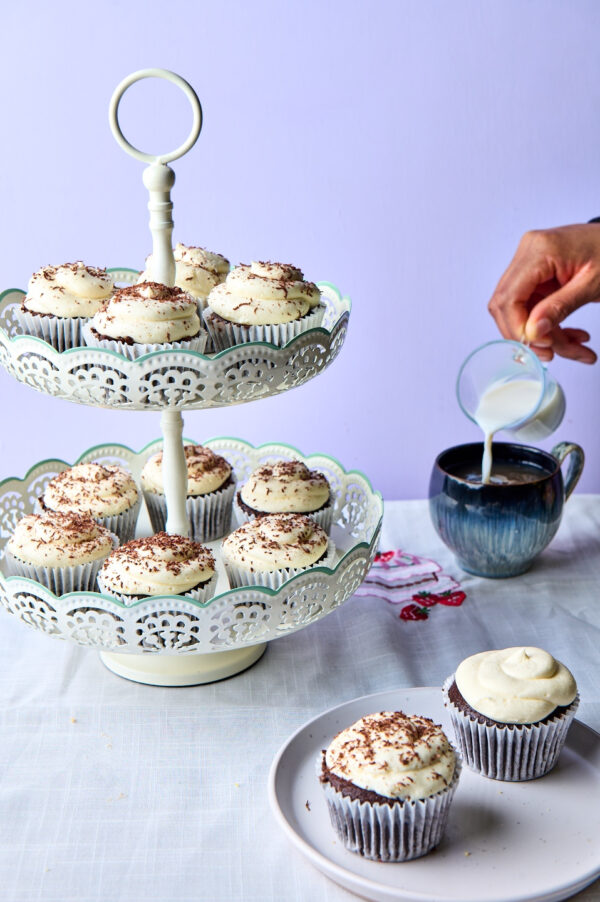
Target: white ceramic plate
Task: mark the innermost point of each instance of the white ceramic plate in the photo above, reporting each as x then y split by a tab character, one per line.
505	842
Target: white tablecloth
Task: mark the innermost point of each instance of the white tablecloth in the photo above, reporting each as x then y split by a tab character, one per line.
118	792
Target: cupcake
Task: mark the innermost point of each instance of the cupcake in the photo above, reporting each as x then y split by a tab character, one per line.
159	565
63	551
262	302
269	550
389	780
107	493
197	271
60	300
147	317
210	491
286	487
511	710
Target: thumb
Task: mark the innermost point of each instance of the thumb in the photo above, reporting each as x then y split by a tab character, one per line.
552	310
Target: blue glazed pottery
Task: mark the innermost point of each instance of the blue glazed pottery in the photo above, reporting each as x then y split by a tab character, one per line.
498	530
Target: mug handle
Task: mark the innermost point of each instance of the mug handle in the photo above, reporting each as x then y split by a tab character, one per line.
560	452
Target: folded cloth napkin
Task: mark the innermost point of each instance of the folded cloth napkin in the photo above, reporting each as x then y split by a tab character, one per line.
398	576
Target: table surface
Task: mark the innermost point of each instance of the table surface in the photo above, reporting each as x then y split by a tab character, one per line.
110	790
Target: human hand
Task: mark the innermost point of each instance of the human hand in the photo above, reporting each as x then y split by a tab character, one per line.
553	272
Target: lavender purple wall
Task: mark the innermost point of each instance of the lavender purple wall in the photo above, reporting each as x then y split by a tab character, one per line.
397	149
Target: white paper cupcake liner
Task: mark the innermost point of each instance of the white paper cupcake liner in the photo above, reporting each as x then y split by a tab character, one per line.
513	753
273	579
122	525
209	347
62	332
397	832
132	351
225	334
324	517
201	593
60	580
209	515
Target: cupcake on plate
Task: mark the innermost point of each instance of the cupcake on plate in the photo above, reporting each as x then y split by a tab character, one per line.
107	493
286	487
62	551
262	302
210	491
389	780
511	710
147	317
197	271
60	300
269	550
161	564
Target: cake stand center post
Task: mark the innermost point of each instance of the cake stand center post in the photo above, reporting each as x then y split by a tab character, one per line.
159	178
174	472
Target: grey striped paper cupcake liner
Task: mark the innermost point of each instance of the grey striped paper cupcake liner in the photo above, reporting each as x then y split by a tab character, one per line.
511	752
209	515
398	832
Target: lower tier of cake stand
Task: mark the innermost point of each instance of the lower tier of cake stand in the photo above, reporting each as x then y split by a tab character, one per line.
182	670
176	641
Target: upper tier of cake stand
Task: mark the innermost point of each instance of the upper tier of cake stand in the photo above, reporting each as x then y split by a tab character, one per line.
234	618
174	380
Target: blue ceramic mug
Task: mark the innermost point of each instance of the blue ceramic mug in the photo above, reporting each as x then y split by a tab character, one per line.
498	530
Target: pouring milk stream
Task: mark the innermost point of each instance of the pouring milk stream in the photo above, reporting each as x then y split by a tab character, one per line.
502	404
503	386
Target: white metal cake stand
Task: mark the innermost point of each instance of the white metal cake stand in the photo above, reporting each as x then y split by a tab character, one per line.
169	640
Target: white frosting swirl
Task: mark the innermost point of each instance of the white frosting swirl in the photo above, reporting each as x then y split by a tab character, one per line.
286	485
148	313
515	685
264	294
197	270
396	755
158	565
206	471
54	539
68	290
95	489
275	542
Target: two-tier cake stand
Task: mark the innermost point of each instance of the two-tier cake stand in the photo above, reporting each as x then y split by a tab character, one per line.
170	640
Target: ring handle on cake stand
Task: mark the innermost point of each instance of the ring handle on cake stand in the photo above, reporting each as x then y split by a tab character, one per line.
159	178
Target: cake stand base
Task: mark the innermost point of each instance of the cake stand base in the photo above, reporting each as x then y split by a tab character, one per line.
182	670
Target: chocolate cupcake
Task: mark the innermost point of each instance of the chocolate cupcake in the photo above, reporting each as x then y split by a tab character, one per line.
107	493
285	487
197	271
60	300
511	710
210	491
262	302
146	317
269	550
389	780
161	564
62	551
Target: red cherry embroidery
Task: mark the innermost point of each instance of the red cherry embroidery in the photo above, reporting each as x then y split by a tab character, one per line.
382	557
413	612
